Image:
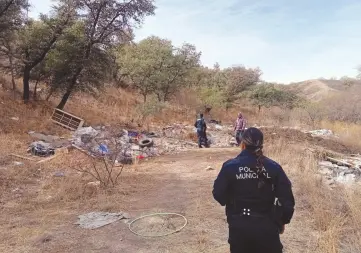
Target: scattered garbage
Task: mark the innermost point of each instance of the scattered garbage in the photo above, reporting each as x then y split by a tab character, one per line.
53	140
209	168
346	178
59	174
15	118
127	145
18	163
95	183
344	171
321	132
41	148
86	138
86	130
95	220
103	149
16	190
145	143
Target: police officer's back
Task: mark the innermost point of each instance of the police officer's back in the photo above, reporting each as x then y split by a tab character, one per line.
248	185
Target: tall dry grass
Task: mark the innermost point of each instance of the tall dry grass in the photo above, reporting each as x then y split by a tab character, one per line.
349	133
333	215
326	220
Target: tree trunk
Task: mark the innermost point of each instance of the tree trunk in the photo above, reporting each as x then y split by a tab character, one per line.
65	98
26	80
159	97
144	97
49	95
259	108
36	86
165	97
12	73
14	85
69	90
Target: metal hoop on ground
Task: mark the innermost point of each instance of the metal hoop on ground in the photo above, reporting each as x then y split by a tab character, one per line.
156	214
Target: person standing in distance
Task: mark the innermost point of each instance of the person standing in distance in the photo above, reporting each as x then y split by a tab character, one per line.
248	186
239	127
201	131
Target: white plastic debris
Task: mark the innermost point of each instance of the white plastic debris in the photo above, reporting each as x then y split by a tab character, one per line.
326	164
346	178
86	130
98	219
209	168
95	183
321	132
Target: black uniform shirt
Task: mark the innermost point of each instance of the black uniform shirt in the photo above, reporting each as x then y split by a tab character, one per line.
236	187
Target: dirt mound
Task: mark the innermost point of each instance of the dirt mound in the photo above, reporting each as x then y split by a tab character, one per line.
297	136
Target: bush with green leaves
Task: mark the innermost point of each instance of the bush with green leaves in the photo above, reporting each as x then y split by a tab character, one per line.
267	95
155	66
149	108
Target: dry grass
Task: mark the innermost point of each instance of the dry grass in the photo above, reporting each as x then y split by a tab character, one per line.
35	202
349	133
324	221
333	215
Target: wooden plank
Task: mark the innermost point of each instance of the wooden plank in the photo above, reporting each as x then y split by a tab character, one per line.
339	161
48	159
24	157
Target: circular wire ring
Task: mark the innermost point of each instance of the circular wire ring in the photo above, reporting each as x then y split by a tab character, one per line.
156	214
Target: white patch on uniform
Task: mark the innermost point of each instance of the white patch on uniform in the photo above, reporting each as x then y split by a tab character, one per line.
247	173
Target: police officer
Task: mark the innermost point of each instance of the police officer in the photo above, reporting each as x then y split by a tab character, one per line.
248	186
201	131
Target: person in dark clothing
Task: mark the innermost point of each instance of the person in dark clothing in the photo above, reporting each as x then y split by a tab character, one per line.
201	131
249	186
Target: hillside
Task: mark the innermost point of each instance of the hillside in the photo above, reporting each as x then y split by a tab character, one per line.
319	89
316	90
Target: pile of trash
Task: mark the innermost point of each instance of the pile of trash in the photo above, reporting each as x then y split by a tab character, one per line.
46	144
124	146
41	148
121	146
345	171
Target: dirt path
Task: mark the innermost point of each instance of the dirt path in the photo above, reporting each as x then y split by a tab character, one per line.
177	183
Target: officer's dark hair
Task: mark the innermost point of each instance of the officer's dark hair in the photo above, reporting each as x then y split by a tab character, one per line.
253	141
201	115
